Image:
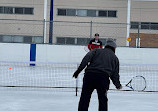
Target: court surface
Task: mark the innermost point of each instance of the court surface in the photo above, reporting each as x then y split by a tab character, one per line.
18	99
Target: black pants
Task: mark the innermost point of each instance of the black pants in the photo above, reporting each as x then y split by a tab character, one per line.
92	81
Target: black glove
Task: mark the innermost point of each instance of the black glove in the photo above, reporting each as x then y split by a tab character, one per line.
75	75
119	87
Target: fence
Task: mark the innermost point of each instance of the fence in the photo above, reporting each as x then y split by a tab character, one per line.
77	33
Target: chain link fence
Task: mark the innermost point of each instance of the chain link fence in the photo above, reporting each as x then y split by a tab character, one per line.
21	31
144	34
77	33
80	33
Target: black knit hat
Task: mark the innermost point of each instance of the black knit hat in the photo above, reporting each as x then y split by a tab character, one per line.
111	43
96	34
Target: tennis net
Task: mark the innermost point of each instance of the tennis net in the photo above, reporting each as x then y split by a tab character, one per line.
59	75
42	75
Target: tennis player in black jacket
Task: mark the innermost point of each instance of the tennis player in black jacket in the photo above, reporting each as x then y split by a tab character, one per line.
102	64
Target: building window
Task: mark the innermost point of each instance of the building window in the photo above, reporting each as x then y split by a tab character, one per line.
60	40
91	13
18	39
71	12
8	10
87	13
27	39
1	9
82	13
154	26
77	41
65	40
7	38
21	39
145	25
70	40
28	11
112	14
102	13
62	12
82	41
1	38
19	10
38	40
16	10
134	25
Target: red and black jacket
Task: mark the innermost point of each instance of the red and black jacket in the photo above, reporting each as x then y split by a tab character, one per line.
92	44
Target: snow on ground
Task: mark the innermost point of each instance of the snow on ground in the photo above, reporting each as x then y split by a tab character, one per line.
49	100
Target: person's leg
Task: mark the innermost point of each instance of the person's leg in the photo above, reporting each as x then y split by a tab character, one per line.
85	99
103	100
102	86
87	90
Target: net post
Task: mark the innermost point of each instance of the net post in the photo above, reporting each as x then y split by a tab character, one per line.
32	54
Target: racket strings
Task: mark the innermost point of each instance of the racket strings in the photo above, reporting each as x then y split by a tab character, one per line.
138	83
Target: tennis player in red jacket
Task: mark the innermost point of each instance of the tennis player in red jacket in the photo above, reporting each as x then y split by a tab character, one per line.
95	43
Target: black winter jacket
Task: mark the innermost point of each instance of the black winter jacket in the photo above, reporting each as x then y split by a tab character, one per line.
102	61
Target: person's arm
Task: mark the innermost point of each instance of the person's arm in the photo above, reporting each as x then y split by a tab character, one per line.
84	62
115	77
90	45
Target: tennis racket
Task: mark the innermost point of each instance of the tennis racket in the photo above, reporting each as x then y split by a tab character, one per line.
137	83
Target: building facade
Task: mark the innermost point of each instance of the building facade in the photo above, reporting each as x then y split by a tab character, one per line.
144	23
21	21
76	21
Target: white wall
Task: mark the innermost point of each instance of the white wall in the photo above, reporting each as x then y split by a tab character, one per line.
14	52
59	53
72	54
137	55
